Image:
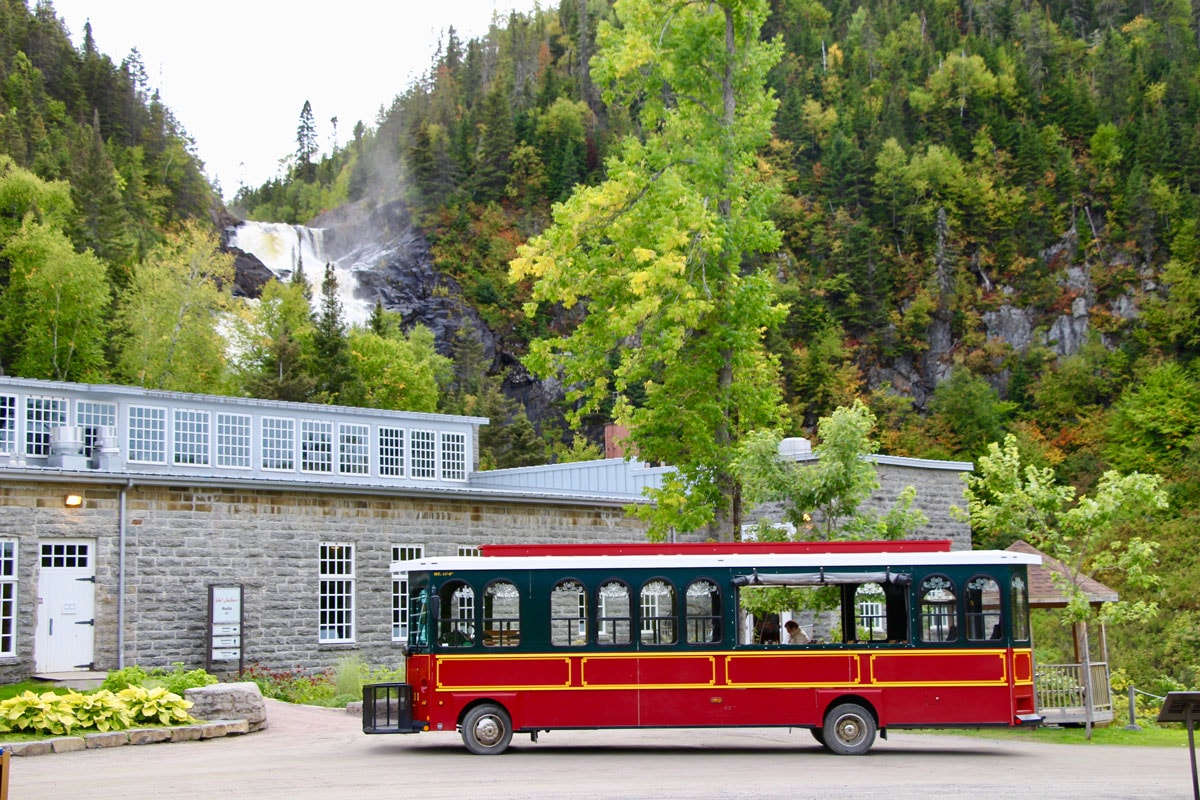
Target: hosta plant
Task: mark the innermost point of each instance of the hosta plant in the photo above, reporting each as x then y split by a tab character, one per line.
101	710
29	711
155	705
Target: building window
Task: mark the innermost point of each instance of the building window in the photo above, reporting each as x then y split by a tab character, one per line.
42	414
8	597
354	449
278	443
454	457
391	452
66	555
468	551
337	593
316	446
148	434
410	552
233	441
92	417
8	423
424	454
191	437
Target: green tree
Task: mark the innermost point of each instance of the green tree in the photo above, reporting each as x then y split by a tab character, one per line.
306	143
397	371
167	321
269	341
662	253
824	498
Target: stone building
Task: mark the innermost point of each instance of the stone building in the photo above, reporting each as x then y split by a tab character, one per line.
123	510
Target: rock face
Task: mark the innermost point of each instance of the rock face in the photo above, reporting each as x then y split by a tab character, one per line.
229	701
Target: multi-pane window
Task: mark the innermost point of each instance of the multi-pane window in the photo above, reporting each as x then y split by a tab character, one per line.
703	599
454	457
233	440
939	610
42	414
423	454
354	449
501	615
410	552
568	614
983	609
8	597
468	551
658	612
66	555
278	443
8	423
190	436
336	593
316	446
391	452
614	615
147	434
93	417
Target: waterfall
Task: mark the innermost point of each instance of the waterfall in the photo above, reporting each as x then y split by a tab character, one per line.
282	248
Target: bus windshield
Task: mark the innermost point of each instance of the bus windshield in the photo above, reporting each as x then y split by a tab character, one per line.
419	627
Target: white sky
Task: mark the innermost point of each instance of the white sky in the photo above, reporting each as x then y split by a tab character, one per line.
236	74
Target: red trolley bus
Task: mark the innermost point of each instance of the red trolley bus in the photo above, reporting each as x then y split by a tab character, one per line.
536	638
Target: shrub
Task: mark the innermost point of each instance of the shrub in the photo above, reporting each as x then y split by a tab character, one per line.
101	710
294	685
49	712
155	706
120	679
178	679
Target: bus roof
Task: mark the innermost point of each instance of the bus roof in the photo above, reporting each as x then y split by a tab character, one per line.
714	548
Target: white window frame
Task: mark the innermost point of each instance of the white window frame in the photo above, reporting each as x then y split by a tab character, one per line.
191	437
8	597
335	593
468	551
93	416
8	423
146	434
354	448
41	415
402	552
453	456
278	444
422	454
234	437
316	446
391	452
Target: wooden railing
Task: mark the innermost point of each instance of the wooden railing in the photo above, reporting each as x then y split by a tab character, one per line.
1061	693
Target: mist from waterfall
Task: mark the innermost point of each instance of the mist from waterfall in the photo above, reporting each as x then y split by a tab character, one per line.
282	248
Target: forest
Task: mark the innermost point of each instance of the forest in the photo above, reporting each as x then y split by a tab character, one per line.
985	217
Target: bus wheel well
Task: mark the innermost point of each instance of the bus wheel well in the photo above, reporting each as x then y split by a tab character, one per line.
851	698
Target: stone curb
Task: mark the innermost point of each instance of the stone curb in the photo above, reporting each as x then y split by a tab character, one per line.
213	729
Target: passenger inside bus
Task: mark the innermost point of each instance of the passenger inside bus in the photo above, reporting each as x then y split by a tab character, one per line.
795	634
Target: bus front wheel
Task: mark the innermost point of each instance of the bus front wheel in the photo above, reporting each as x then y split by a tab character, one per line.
487	730
849	730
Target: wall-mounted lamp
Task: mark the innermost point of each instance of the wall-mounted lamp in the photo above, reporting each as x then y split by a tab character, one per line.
73	501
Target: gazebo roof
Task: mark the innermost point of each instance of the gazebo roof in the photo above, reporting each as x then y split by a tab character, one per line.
1043	593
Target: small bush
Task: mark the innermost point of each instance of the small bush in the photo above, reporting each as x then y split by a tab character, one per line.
178	679
49	712
101	710
155	706
120	679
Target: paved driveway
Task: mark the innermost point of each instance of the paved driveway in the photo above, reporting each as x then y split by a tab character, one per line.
319	753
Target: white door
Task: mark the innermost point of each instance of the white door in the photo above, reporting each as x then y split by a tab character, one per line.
66	622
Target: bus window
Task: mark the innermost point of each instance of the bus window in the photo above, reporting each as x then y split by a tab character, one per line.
983	609
501	615
703	612
614	615
568	614
938	609
456	627
871	606
1020	609
658	612
418	619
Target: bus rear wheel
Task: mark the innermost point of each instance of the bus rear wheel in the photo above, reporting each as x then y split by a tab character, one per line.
849	730
487	730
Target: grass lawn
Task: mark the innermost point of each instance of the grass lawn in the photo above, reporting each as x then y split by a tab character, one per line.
13	689
1148	736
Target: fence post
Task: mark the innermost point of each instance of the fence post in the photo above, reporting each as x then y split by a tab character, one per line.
1132	726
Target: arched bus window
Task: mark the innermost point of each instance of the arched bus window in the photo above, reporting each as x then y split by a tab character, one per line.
659	620
1020	609
703	613
614	613
501	615
568	614
456	622
983	609
939	610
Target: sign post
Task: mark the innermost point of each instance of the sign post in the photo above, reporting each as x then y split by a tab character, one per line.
1184	707
225	619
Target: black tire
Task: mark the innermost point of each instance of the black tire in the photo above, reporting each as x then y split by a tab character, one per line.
818	734
849	730
487	730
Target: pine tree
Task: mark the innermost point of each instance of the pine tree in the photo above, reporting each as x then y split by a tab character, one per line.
306	143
